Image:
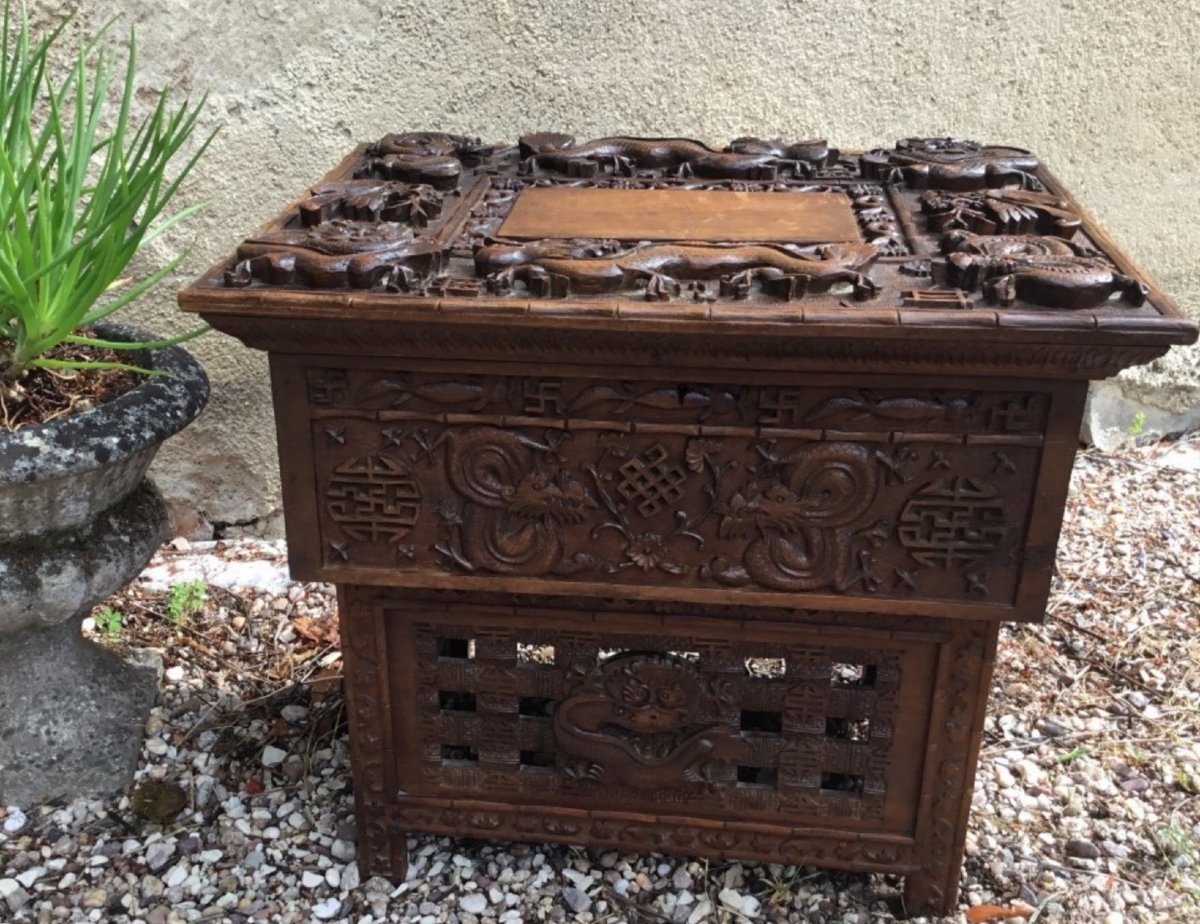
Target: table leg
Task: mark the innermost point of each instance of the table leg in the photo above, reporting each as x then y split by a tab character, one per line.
955	733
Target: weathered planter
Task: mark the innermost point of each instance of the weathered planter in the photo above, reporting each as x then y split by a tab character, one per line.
78	519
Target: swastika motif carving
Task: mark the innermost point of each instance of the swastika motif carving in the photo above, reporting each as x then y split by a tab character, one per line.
952	522
651	480
754	489
373	498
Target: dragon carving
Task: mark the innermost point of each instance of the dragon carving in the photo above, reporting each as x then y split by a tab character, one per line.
1040	270
424	157
332	254
589	267
951	163
744	158
512	518
646	721
800	521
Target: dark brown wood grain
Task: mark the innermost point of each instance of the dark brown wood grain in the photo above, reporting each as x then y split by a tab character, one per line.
685	522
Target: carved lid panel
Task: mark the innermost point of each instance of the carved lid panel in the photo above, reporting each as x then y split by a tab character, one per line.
933	234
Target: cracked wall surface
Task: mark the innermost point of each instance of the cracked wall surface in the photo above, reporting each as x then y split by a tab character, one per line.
1106	93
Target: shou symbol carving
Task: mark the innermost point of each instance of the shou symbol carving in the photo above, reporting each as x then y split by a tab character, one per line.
806	489
952	522
375	498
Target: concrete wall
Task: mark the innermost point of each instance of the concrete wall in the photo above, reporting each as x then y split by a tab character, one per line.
1107	93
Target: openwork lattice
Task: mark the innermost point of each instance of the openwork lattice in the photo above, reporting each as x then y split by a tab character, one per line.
798	729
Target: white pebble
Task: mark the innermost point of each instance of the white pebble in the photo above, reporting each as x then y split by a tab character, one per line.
327	910
31	875
15	820
294	713
176	875
473	903
174	673
273	756
311	880
731	899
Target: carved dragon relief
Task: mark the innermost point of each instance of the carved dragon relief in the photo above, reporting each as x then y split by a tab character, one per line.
557	268
333	254
435	158
509	522
951	163
392	227
797	515
1041	270
744	158
647	721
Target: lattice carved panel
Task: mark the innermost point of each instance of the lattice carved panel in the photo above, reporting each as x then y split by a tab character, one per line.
789	722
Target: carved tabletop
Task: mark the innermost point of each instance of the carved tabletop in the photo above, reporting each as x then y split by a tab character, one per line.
905	247
584	431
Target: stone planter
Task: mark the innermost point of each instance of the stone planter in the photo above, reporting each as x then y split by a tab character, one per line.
78	519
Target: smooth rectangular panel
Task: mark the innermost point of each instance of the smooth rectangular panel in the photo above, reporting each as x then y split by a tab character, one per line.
680	215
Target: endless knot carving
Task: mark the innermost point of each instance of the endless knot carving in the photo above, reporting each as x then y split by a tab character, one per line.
374	498
652	480
952	522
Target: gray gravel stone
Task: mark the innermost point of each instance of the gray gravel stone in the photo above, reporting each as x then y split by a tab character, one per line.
1084	850
576	899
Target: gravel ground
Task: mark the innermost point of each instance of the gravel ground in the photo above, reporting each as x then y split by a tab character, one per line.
1087	802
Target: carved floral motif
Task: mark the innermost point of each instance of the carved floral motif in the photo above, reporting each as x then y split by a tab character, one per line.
803	490
1000	211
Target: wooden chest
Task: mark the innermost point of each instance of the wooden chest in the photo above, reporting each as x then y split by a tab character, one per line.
675	493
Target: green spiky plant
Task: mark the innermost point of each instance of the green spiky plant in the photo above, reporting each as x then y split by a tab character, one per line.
79	195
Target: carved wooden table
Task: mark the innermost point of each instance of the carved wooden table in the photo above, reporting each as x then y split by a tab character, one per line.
675	495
